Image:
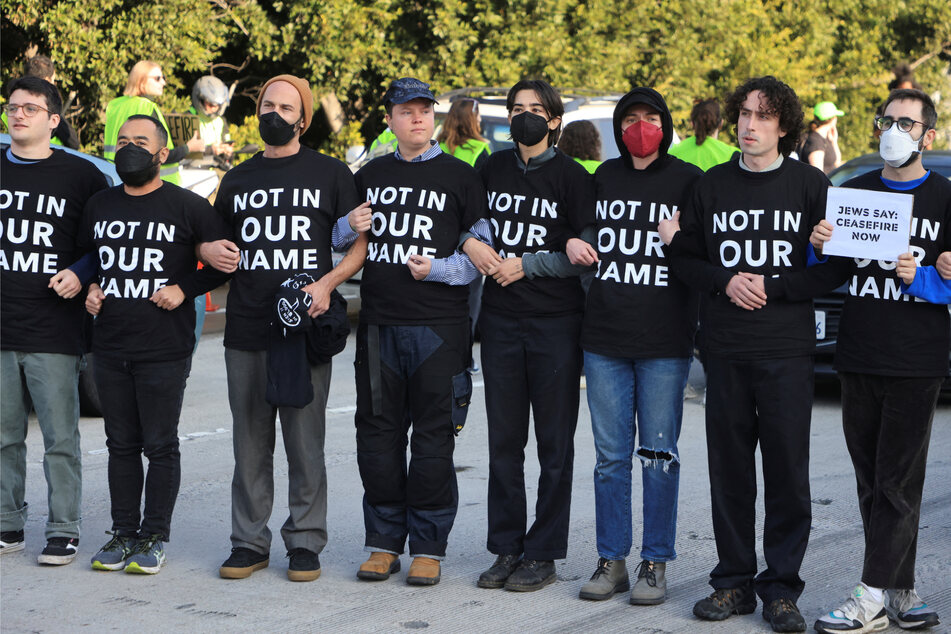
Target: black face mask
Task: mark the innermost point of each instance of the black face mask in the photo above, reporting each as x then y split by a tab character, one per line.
275	130
529	128
136	165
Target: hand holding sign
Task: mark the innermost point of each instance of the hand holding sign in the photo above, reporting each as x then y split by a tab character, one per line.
907	266
868	224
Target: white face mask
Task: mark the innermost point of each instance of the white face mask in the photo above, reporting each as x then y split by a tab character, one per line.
896	147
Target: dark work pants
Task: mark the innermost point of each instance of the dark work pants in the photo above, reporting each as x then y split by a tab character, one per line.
530	362
767	402
404	377
887	423
141	404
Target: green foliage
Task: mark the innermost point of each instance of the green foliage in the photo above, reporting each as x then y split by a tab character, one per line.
245	134
842	51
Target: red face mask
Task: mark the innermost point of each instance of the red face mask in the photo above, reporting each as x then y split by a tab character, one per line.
642	138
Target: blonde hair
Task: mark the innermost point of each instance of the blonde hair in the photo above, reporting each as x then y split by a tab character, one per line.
135	87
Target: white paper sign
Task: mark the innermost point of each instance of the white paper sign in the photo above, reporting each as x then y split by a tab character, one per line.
868	224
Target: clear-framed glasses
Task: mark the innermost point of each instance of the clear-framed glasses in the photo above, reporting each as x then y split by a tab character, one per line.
29	109
905	124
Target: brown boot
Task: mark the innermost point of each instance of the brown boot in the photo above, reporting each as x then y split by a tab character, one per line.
423	572
379	567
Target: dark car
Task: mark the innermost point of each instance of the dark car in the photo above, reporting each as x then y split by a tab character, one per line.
829	307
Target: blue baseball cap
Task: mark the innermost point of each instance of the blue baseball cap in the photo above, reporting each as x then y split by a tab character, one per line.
406	89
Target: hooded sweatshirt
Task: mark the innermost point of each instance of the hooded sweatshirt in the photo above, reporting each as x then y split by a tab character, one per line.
635	307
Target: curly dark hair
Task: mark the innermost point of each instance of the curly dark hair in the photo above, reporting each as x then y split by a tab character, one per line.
781	100
580	139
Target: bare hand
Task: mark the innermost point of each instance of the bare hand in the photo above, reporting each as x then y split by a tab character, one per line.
419	266
821	234
944	265
222	149
508	271
168	297
320	294
221	254
907	266
66	284
94	299
580	253
482	255
746	292
361	217
669	228
195	144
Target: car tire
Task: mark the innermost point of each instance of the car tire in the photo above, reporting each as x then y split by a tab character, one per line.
89	404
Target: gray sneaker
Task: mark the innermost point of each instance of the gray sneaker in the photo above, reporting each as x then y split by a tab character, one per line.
148	556
651	585
112	556
907	609
609	579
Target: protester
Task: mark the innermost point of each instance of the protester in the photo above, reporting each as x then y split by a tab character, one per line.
580	140
42	66
460	135
821	145
637	337
704	149
209	101
41	322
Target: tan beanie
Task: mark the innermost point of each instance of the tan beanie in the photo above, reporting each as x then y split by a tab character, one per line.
306	97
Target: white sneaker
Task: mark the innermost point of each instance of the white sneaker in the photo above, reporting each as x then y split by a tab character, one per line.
907	609
860	613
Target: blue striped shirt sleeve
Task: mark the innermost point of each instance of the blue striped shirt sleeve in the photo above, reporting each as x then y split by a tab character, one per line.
458	269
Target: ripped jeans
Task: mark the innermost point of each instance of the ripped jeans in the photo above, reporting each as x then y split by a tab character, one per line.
642	397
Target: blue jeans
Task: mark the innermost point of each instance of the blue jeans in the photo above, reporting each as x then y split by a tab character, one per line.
642	397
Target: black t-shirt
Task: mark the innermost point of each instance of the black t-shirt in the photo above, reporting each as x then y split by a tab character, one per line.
635	307
882	330
815	142
535	211
419	208
281	213
42	207
756	222
144	243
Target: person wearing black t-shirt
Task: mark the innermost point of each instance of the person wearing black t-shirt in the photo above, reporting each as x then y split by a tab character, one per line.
280	207
532	305
413	344
637	336
745	247
144	235
42	194
892	357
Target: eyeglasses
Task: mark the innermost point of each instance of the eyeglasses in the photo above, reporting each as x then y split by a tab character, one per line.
29	109
905	124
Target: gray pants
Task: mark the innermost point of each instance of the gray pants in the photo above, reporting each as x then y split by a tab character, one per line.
48	383
252	489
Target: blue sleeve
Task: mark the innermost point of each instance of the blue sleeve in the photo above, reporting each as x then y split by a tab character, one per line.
85	267
929	286
814	258
342	236
458	269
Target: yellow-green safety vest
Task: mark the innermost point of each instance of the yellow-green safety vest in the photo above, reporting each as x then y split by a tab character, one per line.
588	164
468	151
117	112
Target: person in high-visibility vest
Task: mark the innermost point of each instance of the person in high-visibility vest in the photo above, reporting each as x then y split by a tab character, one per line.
42	66
460	135
209	100
146	83
581	141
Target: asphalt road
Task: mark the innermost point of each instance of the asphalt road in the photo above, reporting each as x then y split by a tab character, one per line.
188	595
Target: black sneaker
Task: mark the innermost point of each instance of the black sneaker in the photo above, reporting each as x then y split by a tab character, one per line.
784	616
242	562
11	542
499	572
531	575
59	551
304	565
725	602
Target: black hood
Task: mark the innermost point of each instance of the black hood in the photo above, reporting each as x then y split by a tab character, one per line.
653	99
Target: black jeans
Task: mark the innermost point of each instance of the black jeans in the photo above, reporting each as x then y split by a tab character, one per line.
141	404
767	402
887	423
530	362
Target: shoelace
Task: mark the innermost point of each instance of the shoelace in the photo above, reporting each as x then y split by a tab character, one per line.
117	541
646	570
145	545
602	568
785	605
908	599
723	596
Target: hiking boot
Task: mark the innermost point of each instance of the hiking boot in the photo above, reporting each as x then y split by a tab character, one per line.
609	579
424	571
501	570
859	613
379	567
908	611
112	556
11	542
148	557
531	575
725	602
59	551
651	585
304	565
784	616
242	563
